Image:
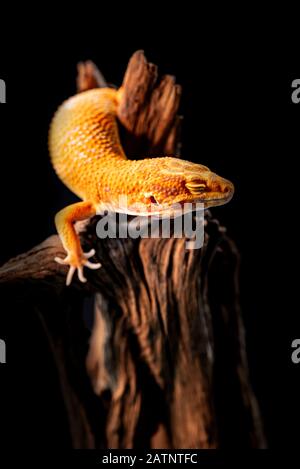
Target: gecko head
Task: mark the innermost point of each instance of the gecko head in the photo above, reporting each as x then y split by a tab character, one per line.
207	187
175	181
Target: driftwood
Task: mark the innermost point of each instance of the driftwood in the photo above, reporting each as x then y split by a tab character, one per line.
165	365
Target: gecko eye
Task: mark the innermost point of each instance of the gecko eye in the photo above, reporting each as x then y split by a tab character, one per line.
195	187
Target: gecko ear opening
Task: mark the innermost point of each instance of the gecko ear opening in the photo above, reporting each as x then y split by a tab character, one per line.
153	200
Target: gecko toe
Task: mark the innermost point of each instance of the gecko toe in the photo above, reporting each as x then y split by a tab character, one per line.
78	265
92	266
80	274
70	275
60	261
89	254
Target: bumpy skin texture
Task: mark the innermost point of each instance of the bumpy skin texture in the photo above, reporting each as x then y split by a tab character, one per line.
88	157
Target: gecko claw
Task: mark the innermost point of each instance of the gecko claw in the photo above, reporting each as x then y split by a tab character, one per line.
78	265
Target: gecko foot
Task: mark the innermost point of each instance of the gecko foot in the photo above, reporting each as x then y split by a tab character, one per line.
78	264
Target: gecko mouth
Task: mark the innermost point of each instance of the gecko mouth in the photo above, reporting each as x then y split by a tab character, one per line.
210	198
206	197
217	198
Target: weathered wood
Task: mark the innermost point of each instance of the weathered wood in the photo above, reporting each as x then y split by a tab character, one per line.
89	77
148	110
166	365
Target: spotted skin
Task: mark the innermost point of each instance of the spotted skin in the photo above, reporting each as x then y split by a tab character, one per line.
87	155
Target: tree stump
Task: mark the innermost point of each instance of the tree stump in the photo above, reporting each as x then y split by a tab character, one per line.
165	364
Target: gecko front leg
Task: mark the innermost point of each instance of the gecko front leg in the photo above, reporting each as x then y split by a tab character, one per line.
76	258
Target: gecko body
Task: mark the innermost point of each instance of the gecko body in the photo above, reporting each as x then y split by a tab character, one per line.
88	157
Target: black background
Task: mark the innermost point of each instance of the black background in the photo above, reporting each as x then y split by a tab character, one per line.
238	119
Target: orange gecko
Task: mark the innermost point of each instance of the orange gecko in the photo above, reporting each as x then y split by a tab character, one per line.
88	157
